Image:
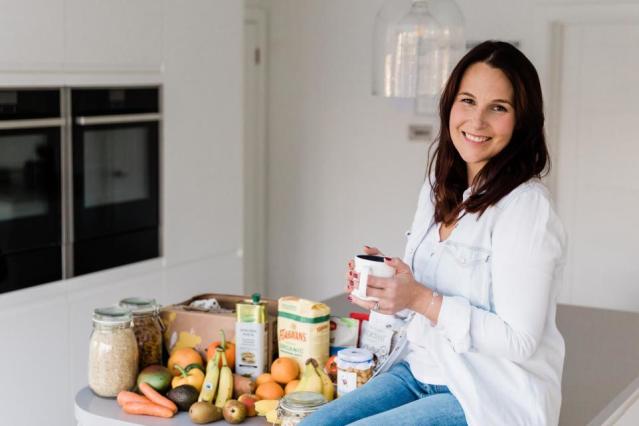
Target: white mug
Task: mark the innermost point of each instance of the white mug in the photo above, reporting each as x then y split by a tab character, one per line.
365	265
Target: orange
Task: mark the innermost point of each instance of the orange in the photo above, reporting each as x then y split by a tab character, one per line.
269	390
229	352
183	357
290	387
285	370
264	378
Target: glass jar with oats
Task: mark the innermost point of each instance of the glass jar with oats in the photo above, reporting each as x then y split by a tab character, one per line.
113	352
147	327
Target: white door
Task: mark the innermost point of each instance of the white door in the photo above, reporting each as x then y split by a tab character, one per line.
254	246
596	163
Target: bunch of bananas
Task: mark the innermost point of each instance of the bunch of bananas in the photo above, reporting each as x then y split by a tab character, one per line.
218	382
314	379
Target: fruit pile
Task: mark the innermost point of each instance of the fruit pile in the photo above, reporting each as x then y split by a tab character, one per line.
185	385
212	393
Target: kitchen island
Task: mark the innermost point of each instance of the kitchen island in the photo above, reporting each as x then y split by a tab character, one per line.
92	410
600	372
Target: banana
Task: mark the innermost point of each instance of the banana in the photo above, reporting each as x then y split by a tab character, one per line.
310	381
211	379
328	390
225	388
264	406
273	418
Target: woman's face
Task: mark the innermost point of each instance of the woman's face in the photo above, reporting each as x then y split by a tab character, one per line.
482	118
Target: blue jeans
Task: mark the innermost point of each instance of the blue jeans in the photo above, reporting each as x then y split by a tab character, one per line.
392	398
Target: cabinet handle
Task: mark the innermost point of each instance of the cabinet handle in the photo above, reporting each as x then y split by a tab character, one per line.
116	119
33	123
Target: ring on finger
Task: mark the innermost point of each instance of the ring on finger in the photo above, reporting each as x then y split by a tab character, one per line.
376	306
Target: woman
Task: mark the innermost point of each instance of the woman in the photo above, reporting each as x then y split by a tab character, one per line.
481	270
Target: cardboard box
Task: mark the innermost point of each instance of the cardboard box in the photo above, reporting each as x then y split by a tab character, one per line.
190	327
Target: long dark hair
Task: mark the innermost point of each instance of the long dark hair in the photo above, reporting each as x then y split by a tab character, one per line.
525	157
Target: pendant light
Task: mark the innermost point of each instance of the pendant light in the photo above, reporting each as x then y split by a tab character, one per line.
415	46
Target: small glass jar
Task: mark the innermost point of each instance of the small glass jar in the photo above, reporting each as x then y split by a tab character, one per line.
354	369
113	352
297	405
147	327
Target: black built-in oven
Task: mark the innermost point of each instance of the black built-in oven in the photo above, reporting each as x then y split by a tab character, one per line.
116	134
30	188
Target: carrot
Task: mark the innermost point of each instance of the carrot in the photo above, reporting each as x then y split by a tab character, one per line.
156	397
126	397
147	409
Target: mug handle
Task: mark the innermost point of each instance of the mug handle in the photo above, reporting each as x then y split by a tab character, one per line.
363	281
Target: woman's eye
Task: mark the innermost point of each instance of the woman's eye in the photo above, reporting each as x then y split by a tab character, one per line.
467	101
499	108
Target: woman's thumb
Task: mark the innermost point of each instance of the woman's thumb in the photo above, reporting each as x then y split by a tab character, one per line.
396	263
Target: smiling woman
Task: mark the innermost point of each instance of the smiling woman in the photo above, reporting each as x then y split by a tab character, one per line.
481	273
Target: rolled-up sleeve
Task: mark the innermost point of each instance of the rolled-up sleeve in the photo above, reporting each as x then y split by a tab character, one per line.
527	248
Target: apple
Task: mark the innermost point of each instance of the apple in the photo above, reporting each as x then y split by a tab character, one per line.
234	411
248	400
331	368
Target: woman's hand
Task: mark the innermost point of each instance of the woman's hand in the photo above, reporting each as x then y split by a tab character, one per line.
395	294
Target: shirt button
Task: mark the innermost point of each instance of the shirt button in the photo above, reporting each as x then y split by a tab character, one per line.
432	253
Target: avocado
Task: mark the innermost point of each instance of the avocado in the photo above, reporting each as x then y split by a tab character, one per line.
183	396
204	412
157	376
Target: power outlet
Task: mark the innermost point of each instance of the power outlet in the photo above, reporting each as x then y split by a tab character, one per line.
420	132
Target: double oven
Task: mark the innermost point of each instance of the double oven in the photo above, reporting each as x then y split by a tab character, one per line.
79	181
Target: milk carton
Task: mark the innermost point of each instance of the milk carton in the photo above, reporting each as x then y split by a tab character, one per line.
251	344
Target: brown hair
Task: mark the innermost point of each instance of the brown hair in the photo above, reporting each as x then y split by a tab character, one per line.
526	155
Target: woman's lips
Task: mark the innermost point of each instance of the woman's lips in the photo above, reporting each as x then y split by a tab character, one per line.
475	138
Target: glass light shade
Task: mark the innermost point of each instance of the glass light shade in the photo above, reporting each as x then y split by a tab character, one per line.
416	45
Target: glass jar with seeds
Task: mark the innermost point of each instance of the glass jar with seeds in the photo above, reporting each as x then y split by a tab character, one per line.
147	327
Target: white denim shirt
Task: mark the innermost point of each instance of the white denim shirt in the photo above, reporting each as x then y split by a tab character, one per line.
496	344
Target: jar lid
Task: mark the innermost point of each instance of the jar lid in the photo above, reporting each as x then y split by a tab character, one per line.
302	402
139	305
355	355
111	315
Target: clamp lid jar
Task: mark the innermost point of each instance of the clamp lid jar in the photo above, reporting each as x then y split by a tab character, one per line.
297	405
354	369
113	352
147	327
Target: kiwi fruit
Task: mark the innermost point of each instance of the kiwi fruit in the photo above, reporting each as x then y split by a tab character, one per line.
204	412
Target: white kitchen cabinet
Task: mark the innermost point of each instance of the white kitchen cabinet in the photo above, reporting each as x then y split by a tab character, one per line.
114	35
31	35
35	355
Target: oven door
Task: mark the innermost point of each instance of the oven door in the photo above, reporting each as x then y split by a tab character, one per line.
116	190
30	203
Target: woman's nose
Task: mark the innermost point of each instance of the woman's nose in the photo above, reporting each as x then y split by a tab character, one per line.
478	119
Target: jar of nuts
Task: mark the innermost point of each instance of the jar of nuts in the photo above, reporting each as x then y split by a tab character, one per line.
147	327
354	368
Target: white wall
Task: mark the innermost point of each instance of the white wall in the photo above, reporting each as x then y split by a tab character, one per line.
45	330
342	172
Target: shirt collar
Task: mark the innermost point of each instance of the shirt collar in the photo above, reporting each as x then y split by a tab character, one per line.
467	193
